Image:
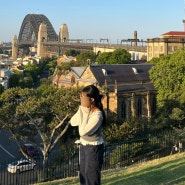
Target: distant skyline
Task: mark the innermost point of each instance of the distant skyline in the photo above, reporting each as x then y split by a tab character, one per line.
96	19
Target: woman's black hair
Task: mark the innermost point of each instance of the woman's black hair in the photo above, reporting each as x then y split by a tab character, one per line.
92	91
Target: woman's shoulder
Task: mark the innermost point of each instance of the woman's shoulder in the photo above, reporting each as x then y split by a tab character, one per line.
96	113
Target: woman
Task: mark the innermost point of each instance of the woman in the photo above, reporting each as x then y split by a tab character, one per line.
90	119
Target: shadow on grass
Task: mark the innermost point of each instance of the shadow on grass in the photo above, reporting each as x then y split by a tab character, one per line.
166	173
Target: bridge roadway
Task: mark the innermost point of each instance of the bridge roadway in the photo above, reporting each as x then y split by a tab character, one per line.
91	46
80	44
83	46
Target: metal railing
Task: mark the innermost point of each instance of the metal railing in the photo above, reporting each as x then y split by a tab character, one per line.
66	164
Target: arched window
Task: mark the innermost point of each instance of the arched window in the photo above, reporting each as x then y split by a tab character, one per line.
123	110
139	107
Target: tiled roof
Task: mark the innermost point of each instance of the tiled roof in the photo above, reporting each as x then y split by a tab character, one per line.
121	73
174	33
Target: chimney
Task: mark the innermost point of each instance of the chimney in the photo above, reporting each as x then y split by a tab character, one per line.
135	38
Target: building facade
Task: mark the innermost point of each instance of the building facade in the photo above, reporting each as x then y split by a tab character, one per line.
128	91
168	44
127	87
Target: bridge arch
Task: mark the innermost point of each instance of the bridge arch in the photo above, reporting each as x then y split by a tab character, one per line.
30	26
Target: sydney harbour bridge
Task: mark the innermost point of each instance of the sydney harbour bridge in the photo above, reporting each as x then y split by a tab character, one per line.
37	32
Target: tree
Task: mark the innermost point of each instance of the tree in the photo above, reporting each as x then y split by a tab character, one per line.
104	58
178	115
168	76
169	80
29	77
1	88
72	52
61	70
42	114
26	81
132	128
51	65
119	56
14	78
84	58
32	70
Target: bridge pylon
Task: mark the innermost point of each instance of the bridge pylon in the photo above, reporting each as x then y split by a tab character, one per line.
14	48
42	37
64	34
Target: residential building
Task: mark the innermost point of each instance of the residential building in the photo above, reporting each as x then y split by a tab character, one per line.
4	77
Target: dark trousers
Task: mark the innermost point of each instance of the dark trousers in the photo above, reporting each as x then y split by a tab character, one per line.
91	160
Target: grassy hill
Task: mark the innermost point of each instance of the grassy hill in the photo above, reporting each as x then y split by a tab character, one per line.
168	170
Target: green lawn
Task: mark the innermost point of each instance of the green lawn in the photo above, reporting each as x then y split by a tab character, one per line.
168	170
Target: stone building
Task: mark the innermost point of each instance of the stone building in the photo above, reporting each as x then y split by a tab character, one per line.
168	44
129	91
67	78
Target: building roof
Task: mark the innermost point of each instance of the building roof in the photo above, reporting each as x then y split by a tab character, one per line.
128	88
77	71
174	34
121	73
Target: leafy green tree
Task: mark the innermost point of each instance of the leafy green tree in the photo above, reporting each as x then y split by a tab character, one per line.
84	58
44	115
32	70
104	58
14	78
169	80
72	52
178	115
29	77
1	89
47	64
51	65
26	82
134	127
168	76
61	70
158	59
119	56
45	87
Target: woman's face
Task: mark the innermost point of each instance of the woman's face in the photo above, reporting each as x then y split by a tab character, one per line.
85	100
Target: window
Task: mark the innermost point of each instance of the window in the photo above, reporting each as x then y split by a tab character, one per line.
161	48
153	106
169	48
139	107
123	110
175	48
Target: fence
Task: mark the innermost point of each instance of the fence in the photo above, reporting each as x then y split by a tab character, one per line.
66	164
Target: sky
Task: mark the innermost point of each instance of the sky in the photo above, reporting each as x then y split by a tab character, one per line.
97	19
